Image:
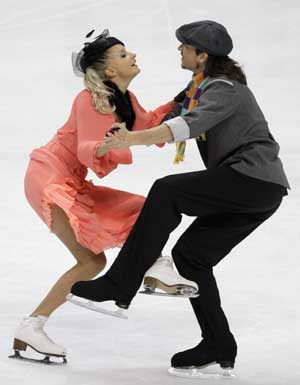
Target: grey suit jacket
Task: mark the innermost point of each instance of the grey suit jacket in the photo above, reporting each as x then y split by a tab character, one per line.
237	133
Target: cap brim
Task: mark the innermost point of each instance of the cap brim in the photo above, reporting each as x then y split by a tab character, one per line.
179	36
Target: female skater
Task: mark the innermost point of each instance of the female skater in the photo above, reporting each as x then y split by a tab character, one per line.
88	219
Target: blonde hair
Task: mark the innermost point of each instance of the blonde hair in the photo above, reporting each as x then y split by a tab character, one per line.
93	81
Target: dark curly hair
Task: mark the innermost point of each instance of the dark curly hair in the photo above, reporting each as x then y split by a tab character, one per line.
223	65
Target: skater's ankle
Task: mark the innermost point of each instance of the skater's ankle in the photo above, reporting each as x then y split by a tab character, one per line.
40	316
123	299
227	349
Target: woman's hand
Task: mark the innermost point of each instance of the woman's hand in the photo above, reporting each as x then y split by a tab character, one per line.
102	149
118	137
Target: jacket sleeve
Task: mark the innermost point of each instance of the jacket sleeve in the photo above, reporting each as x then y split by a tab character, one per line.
218	102
91	128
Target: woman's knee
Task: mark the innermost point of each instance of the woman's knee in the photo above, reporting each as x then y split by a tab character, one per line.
94	262
60	220
63	230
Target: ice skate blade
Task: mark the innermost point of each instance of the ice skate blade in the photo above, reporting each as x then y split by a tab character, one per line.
45	361
184	291
119	313
194	372
173	293
156	293
20	345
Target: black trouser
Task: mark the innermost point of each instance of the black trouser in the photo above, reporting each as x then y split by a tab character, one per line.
228	206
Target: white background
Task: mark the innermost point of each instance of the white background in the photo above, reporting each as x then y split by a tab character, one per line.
258	280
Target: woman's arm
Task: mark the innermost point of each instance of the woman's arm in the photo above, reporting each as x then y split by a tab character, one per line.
147	119
91	129
102	149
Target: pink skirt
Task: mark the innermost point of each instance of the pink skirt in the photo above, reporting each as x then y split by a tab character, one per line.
101	217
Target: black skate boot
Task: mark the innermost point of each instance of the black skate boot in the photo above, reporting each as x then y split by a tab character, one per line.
99	290
226	351
202	355
191	362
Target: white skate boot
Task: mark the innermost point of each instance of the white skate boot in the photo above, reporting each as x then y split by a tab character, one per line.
30	333
163	276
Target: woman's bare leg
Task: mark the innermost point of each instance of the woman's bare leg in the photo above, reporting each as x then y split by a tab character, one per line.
87	267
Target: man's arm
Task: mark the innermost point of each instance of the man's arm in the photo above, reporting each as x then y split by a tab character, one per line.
217	103
122	138
159	134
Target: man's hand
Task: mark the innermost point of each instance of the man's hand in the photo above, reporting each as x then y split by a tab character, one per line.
122	138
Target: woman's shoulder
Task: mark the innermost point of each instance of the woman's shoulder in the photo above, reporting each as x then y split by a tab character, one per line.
84	105
84	102
84	96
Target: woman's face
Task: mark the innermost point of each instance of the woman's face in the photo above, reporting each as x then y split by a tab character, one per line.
121	63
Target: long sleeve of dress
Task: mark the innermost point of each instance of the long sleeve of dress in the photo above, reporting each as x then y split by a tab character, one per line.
148	119
91	129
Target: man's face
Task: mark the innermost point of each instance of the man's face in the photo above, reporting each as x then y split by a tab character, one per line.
188	57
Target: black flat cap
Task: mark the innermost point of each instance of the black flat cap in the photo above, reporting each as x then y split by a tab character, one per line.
206	35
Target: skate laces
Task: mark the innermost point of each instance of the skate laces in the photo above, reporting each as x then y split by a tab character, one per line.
37	325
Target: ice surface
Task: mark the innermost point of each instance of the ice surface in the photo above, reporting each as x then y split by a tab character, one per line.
259	280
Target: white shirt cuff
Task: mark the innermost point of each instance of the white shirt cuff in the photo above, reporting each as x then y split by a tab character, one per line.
179	128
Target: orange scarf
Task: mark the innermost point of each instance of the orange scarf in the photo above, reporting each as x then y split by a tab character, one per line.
190	101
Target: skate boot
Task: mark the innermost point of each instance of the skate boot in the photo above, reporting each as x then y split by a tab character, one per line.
192	362
163	276
88	293
30	333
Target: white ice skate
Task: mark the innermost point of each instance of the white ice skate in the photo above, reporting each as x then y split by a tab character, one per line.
30	333
163	276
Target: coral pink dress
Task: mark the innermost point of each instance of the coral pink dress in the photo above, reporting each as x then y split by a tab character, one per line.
101	217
